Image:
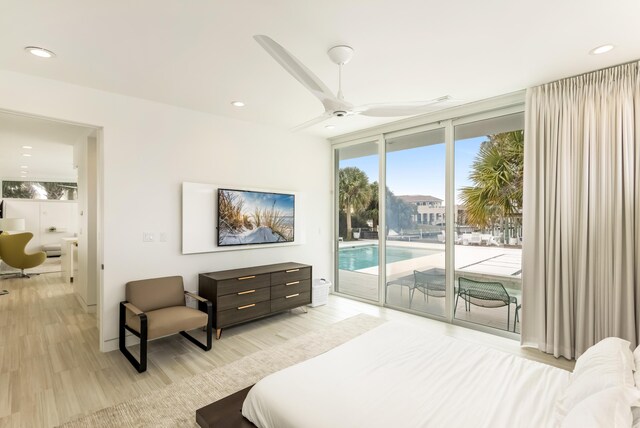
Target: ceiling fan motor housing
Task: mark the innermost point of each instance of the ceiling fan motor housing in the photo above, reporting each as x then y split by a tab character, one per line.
339	113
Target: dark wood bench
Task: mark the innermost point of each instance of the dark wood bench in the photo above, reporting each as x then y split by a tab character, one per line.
225	413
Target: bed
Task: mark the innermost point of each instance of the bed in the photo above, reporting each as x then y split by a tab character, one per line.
400	375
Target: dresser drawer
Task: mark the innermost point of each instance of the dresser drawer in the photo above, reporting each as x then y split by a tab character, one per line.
290	275
290	301
292	287
242	313
242	298
243	283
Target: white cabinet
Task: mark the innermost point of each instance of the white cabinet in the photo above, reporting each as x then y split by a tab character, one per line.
41	217
69	258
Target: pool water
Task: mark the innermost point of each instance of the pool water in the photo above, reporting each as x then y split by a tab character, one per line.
356	258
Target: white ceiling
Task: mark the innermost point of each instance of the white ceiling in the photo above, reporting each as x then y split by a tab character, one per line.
51	153
201	55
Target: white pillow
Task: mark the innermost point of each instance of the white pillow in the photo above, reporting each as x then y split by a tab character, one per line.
608	363
636	357
610	408
636	376
611	350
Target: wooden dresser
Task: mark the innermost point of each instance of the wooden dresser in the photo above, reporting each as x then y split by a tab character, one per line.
241	295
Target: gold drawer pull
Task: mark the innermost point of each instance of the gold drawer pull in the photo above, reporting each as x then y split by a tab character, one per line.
293	283
246	306
242	278
246	292
291	270
291	295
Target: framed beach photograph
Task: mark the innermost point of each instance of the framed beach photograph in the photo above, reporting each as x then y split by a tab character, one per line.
250	217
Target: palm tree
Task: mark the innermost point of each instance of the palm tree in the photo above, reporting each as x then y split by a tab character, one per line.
355	192
372	211
497	174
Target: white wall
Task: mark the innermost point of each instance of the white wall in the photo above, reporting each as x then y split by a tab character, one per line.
85	283
40	215
149	149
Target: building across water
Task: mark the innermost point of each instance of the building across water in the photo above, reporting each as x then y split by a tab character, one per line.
431	210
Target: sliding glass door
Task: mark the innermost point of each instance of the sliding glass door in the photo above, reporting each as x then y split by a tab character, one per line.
449	223
415	221
357	219
489	158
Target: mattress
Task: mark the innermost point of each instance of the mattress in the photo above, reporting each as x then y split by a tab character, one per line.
401	375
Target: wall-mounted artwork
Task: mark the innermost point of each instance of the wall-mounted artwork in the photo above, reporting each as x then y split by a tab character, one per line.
267	218
251	217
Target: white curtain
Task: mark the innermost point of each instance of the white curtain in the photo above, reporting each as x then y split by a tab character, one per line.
581	211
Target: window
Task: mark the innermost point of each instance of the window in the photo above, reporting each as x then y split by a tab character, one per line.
489	157
451	244
40	190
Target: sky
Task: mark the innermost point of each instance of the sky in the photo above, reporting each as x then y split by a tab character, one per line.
261	200
421	171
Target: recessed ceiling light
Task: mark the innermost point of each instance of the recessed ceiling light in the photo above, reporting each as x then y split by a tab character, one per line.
26	154
237	103
27	147
601	49
330	126
24	166
40	52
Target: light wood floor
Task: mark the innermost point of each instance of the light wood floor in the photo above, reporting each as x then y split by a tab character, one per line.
51	370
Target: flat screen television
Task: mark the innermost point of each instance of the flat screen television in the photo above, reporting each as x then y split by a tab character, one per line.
249	218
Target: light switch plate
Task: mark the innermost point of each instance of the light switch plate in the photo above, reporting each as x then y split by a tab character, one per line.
148	237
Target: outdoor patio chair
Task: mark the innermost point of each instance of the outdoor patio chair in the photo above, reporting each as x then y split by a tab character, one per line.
484	294
476	239
430	283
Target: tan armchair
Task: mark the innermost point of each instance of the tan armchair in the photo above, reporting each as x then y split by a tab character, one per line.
157	307
12	252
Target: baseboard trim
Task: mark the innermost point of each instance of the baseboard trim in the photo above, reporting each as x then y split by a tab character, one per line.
90	309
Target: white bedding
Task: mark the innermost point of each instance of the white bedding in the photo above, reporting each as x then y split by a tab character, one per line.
400	375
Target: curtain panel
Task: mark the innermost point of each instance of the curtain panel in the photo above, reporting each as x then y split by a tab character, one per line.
581	211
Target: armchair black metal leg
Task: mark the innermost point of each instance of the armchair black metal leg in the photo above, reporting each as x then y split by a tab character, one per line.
141	366
508	316
195	341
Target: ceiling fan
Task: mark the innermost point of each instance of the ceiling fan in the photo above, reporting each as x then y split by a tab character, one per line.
336	105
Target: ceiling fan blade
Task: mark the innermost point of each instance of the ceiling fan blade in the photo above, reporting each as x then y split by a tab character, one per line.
405	109
300	72
312	122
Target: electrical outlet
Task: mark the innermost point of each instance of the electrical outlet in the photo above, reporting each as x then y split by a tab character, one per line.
148	237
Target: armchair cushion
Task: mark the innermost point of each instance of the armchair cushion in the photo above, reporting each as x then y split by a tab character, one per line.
157	293
165	321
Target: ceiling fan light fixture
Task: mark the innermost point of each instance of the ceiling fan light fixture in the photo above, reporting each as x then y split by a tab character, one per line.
340	54
40	52
237	103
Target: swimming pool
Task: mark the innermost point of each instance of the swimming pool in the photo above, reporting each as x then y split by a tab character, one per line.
366	256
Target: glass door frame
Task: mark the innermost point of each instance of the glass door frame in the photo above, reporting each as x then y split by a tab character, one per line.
335	161
448	243
471	114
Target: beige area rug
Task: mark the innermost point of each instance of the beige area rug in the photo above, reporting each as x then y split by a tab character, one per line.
176	405
50	265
